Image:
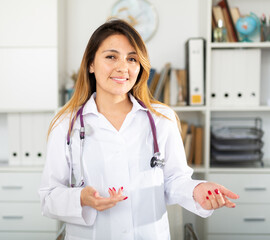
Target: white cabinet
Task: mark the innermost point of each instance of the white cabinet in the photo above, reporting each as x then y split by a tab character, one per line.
20	209
29	79
251	215
30	65
28	23
29	54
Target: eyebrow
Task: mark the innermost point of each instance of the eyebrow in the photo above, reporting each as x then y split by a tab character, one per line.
115	51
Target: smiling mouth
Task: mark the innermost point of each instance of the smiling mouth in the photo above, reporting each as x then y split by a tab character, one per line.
119	80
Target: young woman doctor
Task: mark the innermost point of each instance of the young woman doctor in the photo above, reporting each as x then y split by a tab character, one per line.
119	195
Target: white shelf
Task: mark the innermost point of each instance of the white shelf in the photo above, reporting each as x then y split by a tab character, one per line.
8	168
240	45
239	170
241	109
189	108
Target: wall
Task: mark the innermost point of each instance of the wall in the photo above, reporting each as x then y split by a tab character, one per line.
178	20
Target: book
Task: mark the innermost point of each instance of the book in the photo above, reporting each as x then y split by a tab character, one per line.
187	146
173	87
184	130
182	87
161	82
198	153
154	83
151	76
228	26
218	14
166	97
224	5
192	145
235	16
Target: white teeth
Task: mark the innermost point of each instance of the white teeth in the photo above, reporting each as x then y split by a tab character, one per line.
119	79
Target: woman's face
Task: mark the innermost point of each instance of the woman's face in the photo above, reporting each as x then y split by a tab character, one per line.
116	66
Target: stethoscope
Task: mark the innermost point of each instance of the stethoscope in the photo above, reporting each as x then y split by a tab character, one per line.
156	160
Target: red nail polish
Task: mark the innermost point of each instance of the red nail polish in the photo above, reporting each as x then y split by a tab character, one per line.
113	189
125	198
207	197
209	192
110	189
216	191
122	188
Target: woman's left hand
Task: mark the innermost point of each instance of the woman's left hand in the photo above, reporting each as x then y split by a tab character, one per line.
212	196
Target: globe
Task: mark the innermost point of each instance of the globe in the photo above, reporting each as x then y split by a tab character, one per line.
247	26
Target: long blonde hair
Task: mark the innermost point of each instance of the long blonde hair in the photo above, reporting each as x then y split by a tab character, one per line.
86	82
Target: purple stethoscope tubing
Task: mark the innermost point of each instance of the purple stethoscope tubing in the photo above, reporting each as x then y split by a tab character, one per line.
155	160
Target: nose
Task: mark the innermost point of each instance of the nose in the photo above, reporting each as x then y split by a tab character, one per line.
122	66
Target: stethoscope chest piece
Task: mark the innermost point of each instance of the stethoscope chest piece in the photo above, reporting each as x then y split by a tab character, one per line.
156	161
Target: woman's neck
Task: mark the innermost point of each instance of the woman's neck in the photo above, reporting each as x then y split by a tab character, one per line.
113	104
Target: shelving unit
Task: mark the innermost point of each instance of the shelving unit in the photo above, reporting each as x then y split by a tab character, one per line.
31	63
235	178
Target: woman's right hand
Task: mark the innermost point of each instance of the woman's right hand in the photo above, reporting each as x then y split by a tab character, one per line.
90	197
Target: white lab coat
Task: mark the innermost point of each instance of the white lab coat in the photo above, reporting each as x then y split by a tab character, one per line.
114	158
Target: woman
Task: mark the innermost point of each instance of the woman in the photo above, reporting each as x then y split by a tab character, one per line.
122	197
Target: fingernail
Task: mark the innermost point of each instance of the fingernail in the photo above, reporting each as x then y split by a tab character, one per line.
125	198
122	188
216	191
110	189
95	194
233	206
207	197
209	192
113	189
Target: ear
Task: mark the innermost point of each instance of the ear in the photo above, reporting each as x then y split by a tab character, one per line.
91	68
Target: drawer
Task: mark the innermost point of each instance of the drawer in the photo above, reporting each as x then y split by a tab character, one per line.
19	186
244	219
238	237
24	217
252	188
27	235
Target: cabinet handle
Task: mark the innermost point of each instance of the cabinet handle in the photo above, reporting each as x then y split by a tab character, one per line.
254	219
255	188
12	217
12	187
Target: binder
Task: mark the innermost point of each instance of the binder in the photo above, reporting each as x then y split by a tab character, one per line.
195	65
26	139
14	146
40	128
235	78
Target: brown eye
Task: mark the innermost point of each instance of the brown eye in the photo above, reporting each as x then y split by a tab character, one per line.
110	57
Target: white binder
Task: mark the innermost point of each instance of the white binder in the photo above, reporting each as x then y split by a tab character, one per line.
195	64
27	140
14	135
235	78
41	122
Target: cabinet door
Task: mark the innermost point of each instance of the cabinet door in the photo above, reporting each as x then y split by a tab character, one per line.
26	23
252	188
24	217
18	187
244	219
28	79
28	235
